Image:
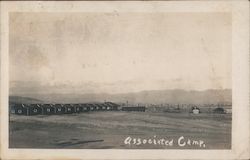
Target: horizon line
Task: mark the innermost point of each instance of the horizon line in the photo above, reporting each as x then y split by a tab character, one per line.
186	90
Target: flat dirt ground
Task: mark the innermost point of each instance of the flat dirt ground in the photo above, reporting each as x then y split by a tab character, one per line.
108	130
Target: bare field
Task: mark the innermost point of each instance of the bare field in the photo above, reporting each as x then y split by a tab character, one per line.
108	130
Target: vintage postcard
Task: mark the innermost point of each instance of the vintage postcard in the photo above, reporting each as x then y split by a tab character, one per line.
125	80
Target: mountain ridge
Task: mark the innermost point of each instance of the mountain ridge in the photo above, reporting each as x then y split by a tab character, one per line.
144	97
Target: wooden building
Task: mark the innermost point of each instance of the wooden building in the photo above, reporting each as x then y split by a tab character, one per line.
195	110
219	110
85	107
34	109
52	109
19	109
78	108
47	109
91	107
59	109
69	108
111	106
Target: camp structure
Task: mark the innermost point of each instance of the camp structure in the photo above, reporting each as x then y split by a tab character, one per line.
78	108
69	108
55	109
34	109
137	108
96	107
195	110
59	108
106	107
12	108
91	107
85	107
101	107
111	106
20	109
219	110
47	109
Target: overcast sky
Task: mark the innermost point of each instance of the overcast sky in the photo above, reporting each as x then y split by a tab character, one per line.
120	52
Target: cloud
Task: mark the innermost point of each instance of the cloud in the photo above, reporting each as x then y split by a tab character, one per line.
155	50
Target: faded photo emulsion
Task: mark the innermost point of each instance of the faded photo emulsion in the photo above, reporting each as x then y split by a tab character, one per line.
120	80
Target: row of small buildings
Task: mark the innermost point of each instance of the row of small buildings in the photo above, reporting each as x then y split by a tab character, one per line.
220	110
52	109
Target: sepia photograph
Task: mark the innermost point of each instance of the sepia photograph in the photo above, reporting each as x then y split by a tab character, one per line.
120	80
128	77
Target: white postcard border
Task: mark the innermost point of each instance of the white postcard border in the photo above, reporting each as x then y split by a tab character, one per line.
240	78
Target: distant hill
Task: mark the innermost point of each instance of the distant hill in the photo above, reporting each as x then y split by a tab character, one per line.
27	100
145	97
